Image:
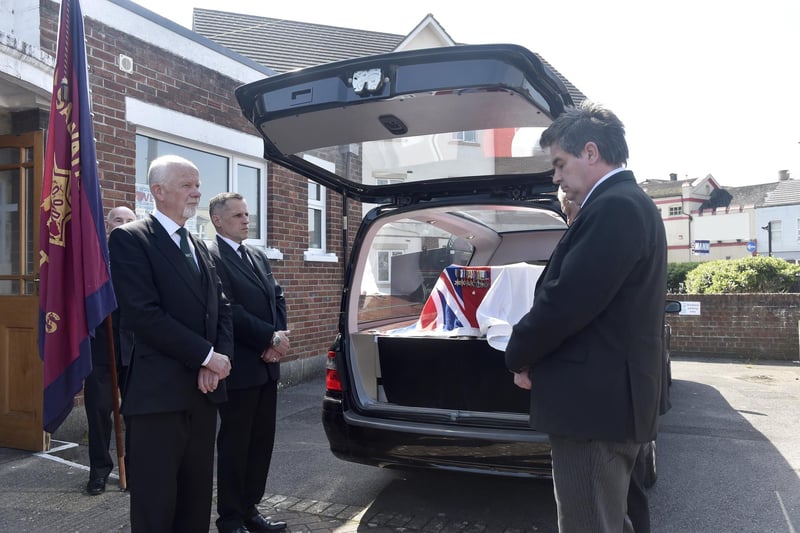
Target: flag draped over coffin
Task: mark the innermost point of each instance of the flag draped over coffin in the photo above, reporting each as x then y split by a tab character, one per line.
478	301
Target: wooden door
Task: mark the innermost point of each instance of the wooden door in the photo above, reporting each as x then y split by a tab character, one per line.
21	377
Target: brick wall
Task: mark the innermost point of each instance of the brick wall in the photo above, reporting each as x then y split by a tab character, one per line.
313	289
748	326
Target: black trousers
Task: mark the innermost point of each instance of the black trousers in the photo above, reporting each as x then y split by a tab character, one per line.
244	451
172	469
99	405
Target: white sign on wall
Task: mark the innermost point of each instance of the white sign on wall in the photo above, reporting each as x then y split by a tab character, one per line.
690	308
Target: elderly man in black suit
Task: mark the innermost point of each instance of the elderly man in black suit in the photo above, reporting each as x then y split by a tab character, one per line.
172	305
590	347
98	393
247	429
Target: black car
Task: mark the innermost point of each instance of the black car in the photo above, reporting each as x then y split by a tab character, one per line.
460	216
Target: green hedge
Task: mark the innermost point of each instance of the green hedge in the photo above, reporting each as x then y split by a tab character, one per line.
676	276
747	275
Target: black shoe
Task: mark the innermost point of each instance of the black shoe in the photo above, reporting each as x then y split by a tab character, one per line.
240	529
96	486
258	522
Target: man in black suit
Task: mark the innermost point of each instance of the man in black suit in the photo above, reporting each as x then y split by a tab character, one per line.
638	502
98	393
247	429
172	306
590	347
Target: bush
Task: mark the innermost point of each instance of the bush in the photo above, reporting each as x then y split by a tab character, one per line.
747	275
676	276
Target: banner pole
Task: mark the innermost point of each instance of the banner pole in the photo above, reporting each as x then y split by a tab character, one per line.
112	363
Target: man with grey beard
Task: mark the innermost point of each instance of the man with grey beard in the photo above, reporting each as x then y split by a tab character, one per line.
172	306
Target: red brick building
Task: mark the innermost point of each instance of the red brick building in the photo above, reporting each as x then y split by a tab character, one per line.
158	88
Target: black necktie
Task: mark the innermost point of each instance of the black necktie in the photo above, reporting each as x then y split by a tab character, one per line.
246	257
187	252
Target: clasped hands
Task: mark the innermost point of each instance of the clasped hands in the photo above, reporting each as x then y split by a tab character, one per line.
217	368
274	352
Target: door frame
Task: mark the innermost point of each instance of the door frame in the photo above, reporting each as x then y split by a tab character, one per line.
21	370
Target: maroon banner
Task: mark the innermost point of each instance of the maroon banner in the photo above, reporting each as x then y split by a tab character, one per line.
75	292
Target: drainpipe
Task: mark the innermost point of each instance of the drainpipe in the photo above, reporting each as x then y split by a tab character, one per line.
691	253
768	227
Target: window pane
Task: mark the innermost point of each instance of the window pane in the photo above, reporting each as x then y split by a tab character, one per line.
313	191
9	156
314	228
248	181
383	266
214	178
31	254
9	222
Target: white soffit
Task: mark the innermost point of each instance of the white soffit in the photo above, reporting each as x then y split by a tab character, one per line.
140	27
160	119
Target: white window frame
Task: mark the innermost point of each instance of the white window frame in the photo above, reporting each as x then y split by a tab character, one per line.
391	253
798	229
318	205
675	210
239	147
320	254
234	160
470	137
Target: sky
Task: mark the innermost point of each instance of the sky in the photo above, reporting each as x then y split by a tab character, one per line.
702	86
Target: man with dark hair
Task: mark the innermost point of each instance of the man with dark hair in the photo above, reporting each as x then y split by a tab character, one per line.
247	428
590	347
638	503
172	305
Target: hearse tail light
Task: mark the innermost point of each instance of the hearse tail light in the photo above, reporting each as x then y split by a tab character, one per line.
332	381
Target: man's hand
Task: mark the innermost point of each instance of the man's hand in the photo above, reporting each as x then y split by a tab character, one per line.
220	364
207	380
271	355
280	342
523	380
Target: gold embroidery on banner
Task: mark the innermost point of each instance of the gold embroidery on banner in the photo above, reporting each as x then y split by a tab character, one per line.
63	101
51	322
58	205
58	202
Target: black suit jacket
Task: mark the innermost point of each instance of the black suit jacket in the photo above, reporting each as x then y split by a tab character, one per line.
170	317
258	309
593	337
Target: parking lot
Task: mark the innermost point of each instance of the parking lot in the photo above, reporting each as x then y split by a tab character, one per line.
729	458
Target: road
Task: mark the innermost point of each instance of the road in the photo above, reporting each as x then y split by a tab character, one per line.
728	460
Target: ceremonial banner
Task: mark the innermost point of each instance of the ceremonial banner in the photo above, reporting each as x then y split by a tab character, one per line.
75	292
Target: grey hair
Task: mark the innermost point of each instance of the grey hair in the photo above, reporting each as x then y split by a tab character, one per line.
218	201
158	173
